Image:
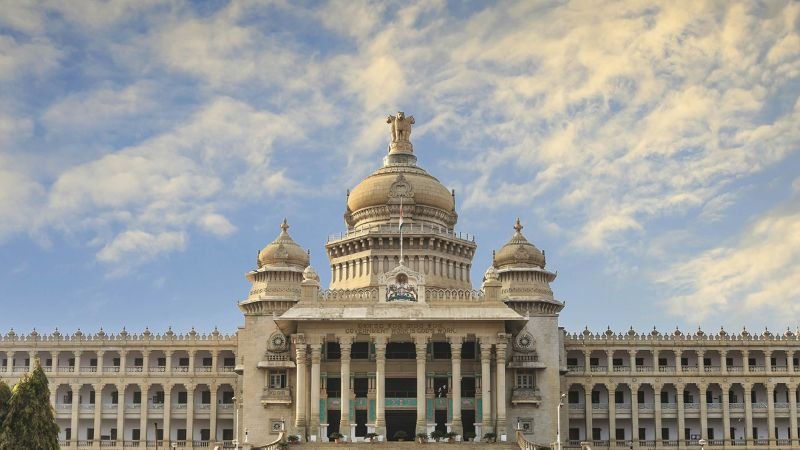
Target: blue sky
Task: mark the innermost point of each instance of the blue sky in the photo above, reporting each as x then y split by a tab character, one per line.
149	149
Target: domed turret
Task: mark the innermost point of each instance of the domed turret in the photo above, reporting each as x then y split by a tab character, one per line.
283	251
518	252
377	199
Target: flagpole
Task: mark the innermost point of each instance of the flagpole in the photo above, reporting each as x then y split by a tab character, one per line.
401	230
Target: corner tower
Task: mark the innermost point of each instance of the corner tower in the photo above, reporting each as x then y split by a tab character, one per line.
400	202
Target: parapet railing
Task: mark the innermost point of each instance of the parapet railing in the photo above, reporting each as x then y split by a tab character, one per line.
443	295
631	336
349	295
408	229
102	336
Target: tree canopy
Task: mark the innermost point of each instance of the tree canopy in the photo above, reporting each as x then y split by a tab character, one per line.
29	422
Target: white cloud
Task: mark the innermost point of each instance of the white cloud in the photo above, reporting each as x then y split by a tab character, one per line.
217	224
754	277
140	245
94	108
33	57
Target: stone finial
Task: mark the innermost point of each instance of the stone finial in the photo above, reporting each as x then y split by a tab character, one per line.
310	274
518	227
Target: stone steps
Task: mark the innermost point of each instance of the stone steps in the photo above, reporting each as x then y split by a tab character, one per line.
408	446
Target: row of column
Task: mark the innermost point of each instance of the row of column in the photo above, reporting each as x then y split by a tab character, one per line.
434	265
421	343
167	414
612	390
700	360
215	355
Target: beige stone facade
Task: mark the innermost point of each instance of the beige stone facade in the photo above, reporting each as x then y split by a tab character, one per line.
401	342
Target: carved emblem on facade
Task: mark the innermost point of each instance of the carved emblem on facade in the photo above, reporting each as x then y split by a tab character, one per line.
401	188
524	342
402	284
401	290
277	343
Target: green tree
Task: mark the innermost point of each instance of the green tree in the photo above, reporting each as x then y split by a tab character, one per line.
5	396
30	422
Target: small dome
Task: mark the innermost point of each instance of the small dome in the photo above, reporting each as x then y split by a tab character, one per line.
310	274
491	274
283	251
519	252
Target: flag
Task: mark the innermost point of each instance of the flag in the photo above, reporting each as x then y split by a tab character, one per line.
401	214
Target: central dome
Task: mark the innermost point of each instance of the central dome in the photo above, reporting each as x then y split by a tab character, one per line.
377	199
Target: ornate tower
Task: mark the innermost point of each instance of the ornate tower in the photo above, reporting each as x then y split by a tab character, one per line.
400	194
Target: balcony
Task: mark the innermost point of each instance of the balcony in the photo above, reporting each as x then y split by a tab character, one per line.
135	369
157	369
526	362
111	369
273	396
643	369
180	369
621	369
88	369
526	395
598	369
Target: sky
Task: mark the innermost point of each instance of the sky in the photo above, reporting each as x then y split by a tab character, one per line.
149	149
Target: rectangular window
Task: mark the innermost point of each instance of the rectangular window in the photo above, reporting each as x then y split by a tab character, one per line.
113	434
729	362
639	362
91	397
468	350
183	362
732	398
114	397
68	398
135	434
684	362
619	397
49	362
595	397
182	398
441	350
643	434
596	434
709	397
572	361
640	397
710	432
688	397
229	362
662	362
205	434
665	434
161	362
138	362
755	432
772	362
573	397
159	434
707	362
617	362
89	434
115	362
525	380
227	398
181	434
665	397
751	361
71	362
574	434
227	434
620	434
277	379
360	350
687	433
206	362
137	397
594	362
205	397
158	399
68	433
93	362
752	396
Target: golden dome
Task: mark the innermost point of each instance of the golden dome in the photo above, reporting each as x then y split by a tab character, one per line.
283	251
397	181
519	252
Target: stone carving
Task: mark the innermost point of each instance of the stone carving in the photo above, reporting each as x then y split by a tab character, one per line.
524	342
401	188
277	343
401	126
401	290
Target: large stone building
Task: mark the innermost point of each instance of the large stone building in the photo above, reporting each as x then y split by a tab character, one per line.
401	343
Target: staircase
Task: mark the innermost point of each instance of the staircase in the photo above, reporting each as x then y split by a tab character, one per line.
408	446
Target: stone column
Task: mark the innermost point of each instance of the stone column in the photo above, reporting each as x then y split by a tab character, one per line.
190	412
123	362
748	415
31	360
316	354
486	396
168	411
76	395
213	410
100	355
610	360
380	385
145	362
726	415
587	392
768	369
678	366
345	343
587	359
98	413
701	366
703	410
679	390
301	389
192	356
632	359
120	414
455	391
54	366
635	415
723	363
790	361
657	399
746	365
168	368
143	413
793	413
612	414
421	343
771	413
500	395
77	355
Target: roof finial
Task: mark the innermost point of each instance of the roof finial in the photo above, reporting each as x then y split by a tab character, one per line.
518	226
285	225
